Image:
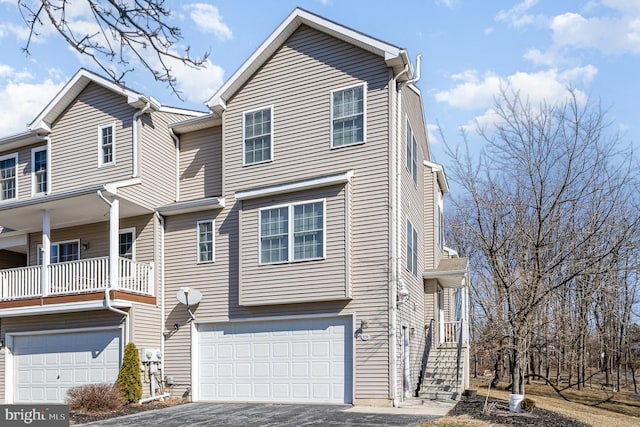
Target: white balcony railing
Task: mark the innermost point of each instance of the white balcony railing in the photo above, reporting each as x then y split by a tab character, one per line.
450	332
74	277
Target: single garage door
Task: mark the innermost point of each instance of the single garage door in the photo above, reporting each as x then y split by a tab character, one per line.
295	360
47	365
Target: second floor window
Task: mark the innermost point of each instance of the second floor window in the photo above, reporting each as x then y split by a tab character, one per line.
125	245
205	241
8	177
412	154
412	249
347	116
107	145
257	136
62	252
39	162
301	239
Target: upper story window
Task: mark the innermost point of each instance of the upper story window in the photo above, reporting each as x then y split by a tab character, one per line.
106	145
205	241
348	116
39	173
257	135
412	249
126	243
412	154
8	178
299	239
62	252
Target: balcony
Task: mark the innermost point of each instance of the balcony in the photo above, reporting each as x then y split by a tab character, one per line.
75	277
450	332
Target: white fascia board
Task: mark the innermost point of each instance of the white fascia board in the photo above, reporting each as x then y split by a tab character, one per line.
439	170
183	111
197	123
299	17
192	206
62	308
14	142
309	184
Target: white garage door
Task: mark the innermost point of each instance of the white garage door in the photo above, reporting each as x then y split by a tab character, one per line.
300	360
46	366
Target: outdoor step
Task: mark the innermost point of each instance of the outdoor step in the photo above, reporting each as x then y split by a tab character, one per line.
439	395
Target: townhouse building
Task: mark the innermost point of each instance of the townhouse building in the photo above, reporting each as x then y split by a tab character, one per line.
285	246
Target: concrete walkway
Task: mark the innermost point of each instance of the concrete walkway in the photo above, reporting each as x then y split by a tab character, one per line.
271	415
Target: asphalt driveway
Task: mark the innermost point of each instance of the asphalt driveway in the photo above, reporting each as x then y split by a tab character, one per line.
266	415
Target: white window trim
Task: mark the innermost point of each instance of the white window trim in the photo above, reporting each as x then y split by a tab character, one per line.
290	235
131	230
213	241
244	113
364	115
409	146
409	236
101	163
62	242
6	157
34	182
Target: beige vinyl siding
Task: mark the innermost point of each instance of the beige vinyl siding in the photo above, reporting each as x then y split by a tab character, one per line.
97	236
201	164
325	279
145	326
157	161
315	64
74	138
431	308
10	259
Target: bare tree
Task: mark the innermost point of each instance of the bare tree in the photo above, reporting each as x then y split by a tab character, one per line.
124	31
545	204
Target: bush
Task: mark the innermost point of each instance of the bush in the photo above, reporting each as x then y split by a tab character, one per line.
528	405
95	398
129	374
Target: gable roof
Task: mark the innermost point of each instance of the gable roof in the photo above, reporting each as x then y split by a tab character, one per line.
395	57
81	79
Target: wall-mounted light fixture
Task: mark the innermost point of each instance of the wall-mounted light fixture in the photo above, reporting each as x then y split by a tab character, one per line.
85	246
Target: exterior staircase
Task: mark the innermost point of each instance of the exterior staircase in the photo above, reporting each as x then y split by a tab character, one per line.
443	375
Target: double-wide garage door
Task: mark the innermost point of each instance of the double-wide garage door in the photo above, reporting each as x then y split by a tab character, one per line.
294	360
47	365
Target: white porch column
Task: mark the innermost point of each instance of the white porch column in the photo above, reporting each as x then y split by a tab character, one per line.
114	228
46	253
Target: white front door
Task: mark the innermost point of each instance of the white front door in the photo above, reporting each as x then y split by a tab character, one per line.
293	360
46	365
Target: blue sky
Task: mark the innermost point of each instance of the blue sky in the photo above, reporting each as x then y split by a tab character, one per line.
469	49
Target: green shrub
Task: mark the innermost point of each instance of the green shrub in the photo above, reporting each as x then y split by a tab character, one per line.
129	374
95	398
528	405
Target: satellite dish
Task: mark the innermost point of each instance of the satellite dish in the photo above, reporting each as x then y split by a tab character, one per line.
188	296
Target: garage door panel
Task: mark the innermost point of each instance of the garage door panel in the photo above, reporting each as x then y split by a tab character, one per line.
300	360
46	366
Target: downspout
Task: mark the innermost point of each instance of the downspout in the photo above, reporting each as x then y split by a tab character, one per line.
107	297
135	158
176	138
395	246
48	171
162	293
417	76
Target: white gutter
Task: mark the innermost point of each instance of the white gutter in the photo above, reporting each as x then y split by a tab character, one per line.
176	138
107	298
395	245
135	158
48	171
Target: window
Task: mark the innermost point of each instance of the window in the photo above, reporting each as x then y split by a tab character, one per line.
39	170
8	179
62	252
106	145
347	116
412	249
412	154
257	136
205	241
126	243
440	227
302	239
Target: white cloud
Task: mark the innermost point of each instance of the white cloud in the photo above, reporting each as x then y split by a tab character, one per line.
433	131
518	16
197	85
447	3
325	2
208	19
21	99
